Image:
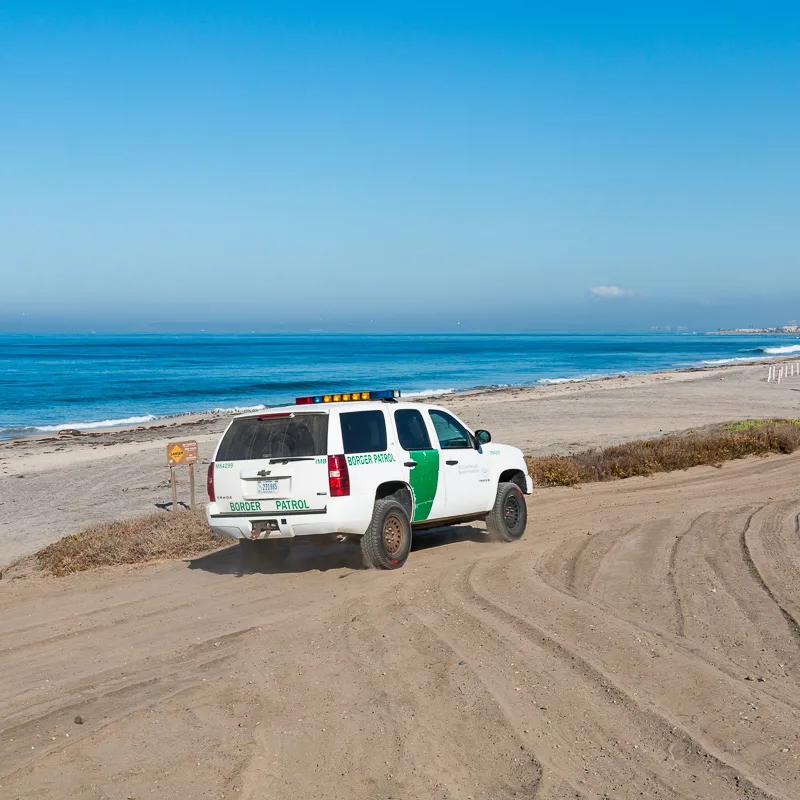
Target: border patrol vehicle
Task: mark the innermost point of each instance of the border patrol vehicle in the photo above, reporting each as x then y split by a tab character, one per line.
360	465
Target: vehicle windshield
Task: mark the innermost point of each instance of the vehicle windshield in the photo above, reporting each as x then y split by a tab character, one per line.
297	436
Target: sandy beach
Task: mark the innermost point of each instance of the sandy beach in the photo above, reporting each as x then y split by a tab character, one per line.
50	487
642	640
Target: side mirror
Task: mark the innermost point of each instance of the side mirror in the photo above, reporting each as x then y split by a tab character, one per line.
483	437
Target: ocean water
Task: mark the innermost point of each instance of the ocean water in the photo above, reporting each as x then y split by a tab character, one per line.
90	381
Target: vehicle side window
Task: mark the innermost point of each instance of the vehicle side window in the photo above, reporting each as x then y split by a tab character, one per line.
451	433
363	431
411	430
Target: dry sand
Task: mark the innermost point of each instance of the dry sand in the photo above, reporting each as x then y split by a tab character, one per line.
642	640
66	485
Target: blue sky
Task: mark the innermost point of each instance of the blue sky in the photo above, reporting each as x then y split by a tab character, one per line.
387	166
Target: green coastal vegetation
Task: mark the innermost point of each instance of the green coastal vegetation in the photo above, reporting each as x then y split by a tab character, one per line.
751	424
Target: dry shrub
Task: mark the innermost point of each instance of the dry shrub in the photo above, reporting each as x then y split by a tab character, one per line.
666	454
136	541
554	471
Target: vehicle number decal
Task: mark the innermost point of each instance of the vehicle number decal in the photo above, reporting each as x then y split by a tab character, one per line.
223	465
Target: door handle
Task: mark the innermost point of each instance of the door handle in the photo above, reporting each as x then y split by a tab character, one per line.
410	464
451	463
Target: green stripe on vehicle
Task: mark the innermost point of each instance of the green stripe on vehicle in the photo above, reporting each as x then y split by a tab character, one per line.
424	479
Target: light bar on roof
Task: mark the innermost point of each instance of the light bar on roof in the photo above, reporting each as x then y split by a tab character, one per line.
348	397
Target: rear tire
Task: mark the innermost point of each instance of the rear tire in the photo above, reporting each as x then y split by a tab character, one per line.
387	541
268	552
508	518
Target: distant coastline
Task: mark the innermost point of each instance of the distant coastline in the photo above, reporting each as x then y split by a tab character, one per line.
792	331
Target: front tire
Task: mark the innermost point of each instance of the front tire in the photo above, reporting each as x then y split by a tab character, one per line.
508	518
387	541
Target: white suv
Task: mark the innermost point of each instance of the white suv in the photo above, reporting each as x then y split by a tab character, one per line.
365	465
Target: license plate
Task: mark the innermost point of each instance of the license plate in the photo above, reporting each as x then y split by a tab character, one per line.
268	487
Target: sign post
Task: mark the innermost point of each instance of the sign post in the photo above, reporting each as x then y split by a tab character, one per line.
181	454
174	486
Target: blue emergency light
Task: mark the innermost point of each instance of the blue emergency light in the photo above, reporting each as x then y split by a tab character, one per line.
348	397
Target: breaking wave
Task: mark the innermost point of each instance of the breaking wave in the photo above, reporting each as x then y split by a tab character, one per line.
428	393
781	351
557	381
581	378
85	426
233	410
720	362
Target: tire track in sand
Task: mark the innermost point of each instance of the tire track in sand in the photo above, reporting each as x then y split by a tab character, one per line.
706	753
682	575
758	576
108	700
680	619
616	714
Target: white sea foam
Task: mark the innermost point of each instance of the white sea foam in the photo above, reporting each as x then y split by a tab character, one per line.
720	362
106	423
428	392
784	350
557	381
578	379
128	421
234	410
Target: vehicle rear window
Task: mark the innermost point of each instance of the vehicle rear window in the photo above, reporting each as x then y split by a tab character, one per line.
411	430
363	431
275	437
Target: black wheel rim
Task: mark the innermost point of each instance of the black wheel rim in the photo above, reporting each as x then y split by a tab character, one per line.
512	511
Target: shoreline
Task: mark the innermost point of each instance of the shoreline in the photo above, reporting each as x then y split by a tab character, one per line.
189	418
51	486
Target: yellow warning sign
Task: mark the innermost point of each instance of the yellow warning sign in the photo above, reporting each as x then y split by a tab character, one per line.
179	453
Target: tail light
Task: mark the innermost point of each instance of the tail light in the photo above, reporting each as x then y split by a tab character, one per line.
210	483
338	476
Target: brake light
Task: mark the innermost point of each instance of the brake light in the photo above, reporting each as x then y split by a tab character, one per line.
210	483
338	476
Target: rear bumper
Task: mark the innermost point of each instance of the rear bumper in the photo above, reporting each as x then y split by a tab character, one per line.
316	523
528	484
